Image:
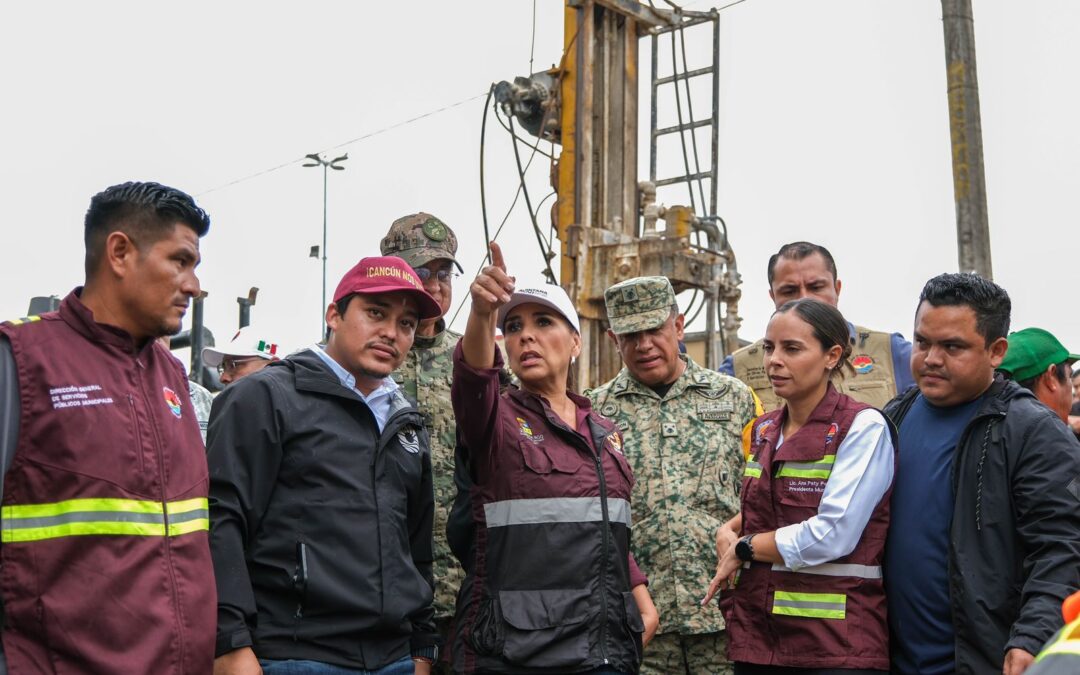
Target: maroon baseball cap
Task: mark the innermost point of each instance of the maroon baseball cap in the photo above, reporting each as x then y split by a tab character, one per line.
386	275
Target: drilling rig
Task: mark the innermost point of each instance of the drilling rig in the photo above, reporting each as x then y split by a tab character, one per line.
610	224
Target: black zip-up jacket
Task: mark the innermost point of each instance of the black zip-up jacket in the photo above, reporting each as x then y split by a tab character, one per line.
1014	551
320	525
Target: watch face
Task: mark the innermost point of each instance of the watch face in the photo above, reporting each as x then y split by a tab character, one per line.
743	550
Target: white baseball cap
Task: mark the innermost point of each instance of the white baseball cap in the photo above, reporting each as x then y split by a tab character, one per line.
248	341
548	295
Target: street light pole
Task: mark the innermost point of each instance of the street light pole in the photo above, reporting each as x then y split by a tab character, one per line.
319	160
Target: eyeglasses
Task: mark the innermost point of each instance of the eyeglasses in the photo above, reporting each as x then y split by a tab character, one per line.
227	365
445	276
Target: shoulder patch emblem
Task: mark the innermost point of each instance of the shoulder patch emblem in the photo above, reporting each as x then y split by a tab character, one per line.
863	364
173	401
409	440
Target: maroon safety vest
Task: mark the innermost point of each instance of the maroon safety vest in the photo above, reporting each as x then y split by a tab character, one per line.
826	616
106	562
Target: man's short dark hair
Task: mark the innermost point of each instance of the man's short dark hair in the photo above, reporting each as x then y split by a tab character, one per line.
989	301
1061	372
145	212
797	250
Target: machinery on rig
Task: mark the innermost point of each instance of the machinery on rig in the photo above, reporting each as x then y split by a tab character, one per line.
609	222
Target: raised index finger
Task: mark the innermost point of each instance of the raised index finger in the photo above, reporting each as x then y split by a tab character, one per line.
497	257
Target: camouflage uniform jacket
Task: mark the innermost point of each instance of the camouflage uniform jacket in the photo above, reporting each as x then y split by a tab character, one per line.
686	453
425	376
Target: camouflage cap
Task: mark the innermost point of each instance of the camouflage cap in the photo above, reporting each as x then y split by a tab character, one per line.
420	238
639	304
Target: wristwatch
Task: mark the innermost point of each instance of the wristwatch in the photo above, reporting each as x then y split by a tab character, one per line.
744	549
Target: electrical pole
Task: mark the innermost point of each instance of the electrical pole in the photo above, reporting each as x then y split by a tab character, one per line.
969	183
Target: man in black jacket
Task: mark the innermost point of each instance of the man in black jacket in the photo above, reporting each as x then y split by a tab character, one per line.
321	501
985	537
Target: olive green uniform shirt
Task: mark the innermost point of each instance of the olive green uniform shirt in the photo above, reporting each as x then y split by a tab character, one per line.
687	455
425	376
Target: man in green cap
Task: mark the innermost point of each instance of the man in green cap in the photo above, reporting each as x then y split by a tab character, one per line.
428	245
683	429
1038	362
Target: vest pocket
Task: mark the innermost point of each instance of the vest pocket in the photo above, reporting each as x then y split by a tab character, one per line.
634	622
809	619
546	628
539	460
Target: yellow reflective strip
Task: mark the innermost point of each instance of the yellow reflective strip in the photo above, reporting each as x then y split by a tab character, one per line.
827	459
811	597
1058	648
787	472
189	526
82	529
751	472
15	511
187	505
811	613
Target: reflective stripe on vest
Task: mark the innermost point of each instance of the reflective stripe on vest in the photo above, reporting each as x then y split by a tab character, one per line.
819	469
753	469
555	510
835	570
1067	642
811	605
77	517
25	319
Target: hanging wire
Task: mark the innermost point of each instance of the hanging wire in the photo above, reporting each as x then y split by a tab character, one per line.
548	272
377	132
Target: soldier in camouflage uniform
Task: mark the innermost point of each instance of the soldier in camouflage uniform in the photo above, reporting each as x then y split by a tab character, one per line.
429	246
683	428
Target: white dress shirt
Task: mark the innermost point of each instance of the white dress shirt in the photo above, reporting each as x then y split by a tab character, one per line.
862	473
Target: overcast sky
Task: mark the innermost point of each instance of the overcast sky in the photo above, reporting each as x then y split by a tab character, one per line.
834	129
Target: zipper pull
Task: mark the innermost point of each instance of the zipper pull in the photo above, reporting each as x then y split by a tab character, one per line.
300	578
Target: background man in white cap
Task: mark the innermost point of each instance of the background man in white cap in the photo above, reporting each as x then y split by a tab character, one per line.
248	352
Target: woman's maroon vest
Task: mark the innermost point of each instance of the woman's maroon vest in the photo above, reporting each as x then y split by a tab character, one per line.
106	562
827	616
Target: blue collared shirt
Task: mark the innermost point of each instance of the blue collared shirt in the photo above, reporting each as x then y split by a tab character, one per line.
378	400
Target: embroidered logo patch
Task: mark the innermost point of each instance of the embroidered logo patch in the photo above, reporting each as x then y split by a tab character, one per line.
616	442
172	400
527	432
409	440
863	364
831	433
759	433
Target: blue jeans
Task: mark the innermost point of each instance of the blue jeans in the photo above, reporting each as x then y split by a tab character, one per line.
403	666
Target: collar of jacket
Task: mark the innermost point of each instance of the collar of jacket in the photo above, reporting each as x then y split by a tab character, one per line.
996	400
312	375
429	341
824	411
693	376
77	315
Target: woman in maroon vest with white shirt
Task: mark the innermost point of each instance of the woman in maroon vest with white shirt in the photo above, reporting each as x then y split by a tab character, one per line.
800	566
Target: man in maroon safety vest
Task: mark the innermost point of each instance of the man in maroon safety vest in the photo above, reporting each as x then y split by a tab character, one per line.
106	564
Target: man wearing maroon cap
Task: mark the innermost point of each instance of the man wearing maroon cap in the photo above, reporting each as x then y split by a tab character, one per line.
321	500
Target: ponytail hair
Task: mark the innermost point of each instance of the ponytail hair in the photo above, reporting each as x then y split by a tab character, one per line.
829	326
